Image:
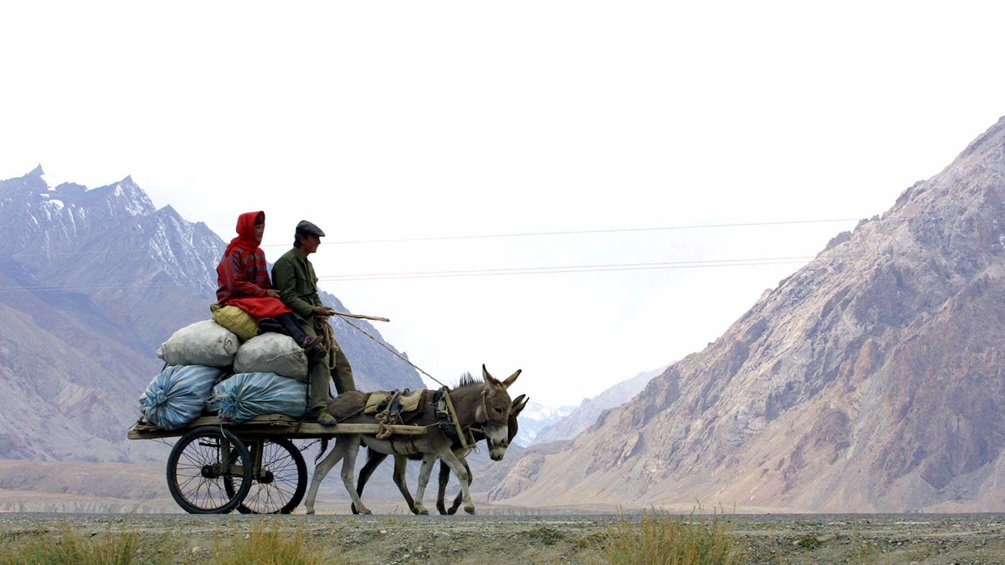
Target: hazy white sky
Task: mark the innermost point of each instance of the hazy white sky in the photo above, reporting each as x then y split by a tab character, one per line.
427	123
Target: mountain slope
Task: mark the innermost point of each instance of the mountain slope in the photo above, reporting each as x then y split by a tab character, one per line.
869	381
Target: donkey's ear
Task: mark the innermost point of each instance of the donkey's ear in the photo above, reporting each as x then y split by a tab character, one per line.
487	377
509	380
518	405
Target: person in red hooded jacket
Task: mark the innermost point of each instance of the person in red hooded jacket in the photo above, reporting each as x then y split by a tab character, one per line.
243	279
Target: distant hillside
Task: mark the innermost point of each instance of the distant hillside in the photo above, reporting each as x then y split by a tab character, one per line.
591	408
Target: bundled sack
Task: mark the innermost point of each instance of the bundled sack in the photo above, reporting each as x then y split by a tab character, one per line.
176	396
246	395
201	343
236	320
272	352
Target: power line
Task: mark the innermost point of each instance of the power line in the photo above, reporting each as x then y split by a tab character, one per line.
486	236
582	232
514	271
668	265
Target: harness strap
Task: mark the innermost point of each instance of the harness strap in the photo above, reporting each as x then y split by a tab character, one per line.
462	437
391	414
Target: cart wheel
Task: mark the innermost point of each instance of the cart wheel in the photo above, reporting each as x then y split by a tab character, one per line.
200	465
280	479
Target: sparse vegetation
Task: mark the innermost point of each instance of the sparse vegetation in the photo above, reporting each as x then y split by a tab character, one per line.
73	548
546	535
264	545
270	546
809	541
659	538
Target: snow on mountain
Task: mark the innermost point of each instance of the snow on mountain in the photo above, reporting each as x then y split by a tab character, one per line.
536	418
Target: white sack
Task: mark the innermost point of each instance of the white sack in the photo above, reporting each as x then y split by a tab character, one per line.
272	352
202	343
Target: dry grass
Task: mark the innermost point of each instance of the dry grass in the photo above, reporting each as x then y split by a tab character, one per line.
270	546
659	538
264	545
70	547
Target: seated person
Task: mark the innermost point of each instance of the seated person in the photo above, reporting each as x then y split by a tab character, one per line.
297	284
244	282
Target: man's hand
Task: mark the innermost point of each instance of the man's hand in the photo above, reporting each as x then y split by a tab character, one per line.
323	311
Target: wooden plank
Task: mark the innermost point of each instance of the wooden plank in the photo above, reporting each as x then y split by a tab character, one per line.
273	425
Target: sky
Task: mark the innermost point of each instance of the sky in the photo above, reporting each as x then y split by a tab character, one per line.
582	190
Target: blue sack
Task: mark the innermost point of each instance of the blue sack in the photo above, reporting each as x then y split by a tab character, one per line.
177	395
246	395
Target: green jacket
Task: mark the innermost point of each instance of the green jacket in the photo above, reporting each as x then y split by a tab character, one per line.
293	276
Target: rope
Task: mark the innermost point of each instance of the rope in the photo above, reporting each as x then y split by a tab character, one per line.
329	332
324	330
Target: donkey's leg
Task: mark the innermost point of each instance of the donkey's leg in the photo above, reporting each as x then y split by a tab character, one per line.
400	464
349	469
373	460
457	499
441	492
459	467
428	460
321	470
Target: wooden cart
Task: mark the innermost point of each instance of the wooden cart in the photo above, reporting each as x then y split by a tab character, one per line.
217	466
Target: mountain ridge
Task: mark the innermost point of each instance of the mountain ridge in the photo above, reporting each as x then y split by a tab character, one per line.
867	381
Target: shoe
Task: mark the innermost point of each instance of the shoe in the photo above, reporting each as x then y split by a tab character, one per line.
323	417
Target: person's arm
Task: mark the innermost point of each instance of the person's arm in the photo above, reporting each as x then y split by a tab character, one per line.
284	279
231	271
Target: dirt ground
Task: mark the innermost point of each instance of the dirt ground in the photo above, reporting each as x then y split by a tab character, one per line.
566	539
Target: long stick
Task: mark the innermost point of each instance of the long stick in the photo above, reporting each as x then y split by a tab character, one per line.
361	316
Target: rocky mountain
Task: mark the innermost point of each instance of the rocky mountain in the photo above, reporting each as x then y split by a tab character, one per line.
871	380
584	416
92	281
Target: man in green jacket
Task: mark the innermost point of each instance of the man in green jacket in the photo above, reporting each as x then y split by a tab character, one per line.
293	276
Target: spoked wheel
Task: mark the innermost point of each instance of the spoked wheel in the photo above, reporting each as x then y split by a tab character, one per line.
209	471
280	479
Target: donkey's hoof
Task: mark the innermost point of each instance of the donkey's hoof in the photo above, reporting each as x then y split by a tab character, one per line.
469	509
310	511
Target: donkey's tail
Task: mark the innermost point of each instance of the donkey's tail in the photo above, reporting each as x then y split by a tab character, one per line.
324	447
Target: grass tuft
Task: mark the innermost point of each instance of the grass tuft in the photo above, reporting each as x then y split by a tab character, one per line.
72	548
270	546
659	538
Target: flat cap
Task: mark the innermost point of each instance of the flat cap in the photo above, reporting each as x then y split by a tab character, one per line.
307	227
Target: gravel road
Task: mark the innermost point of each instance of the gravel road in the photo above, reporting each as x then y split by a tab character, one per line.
572	539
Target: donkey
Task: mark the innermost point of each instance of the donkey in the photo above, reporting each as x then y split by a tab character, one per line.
375	458
486	404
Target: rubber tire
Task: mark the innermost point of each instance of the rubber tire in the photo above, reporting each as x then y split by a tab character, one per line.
197	449
271	498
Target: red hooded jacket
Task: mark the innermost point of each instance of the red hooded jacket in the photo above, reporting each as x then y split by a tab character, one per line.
243	276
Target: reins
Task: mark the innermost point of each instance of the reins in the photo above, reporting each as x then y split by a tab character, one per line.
382	344
466	440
